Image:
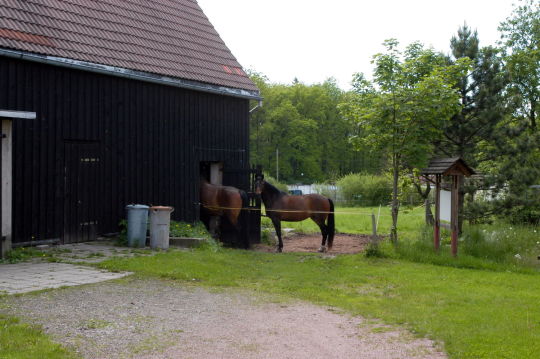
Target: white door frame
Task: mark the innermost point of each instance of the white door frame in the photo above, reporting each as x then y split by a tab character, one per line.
6	184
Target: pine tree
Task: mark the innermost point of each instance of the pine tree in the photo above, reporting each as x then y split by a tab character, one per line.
482	112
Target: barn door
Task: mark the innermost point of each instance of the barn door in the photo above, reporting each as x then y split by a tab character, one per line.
81	204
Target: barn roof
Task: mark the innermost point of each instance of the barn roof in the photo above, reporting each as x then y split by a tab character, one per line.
448	166
170	38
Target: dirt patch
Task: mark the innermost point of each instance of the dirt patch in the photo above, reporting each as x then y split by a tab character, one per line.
135	318
343	243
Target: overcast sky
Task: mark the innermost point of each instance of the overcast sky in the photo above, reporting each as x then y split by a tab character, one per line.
314	39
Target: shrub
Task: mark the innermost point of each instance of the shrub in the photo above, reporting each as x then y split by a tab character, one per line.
326	190
279	185
192	230
360	189
525	214
409	195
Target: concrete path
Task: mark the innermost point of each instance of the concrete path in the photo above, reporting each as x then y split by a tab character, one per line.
29	277
67	269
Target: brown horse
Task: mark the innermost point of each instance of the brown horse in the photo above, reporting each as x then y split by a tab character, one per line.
226	202
283	207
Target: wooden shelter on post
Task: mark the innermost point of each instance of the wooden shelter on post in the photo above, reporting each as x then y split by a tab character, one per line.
455	168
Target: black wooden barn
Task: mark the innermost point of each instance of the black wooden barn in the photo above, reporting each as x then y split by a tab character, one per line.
129	98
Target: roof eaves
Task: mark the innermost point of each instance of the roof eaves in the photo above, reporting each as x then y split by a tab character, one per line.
132	74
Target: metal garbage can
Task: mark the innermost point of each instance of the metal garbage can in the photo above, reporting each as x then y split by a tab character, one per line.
137	218
160	222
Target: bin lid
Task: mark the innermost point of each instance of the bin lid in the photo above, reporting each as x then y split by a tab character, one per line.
161	208
136	206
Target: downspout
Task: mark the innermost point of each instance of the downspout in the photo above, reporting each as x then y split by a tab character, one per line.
257	106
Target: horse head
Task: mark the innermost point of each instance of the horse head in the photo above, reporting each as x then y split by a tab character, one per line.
259	183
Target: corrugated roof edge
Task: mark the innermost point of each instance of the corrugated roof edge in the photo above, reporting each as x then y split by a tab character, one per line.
131	74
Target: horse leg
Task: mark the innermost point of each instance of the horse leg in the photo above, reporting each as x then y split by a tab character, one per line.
324	232
277	227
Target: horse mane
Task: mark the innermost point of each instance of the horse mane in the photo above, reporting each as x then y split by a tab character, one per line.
273	189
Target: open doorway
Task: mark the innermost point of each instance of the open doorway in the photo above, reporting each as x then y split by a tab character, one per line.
212	172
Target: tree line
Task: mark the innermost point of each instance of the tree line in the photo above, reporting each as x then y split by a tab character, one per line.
477	103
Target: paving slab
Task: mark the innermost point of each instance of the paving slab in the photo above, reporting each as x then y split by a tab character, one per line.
28	277
68	267
38	275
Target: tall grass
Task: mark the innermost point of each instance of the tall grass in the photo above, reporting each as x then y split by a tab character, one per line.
474	252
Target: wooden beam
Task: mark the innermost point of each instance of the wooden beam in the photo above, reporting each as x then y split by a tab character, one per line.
437	225
454	211
6	185
18	114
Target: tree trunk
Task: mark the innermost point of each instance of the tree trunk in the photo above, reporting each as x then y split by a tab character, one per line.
395	200
532	115
429	215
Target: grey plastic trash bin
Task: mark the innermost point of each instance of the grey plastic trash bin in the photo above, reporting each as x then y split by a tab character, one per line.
160	222
137	218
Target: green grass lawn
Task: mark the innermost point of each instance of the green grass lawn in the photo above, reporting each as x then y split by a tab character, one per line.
477	306
357	220
475	313
22	341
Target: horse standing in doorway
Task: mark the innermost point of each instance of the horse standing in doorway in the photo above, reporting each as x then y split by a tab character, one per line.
283	207
226	202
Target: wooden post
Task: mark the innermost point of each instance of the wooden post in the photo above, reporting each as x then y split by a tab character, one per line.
454	213
6	186
437	224
374	228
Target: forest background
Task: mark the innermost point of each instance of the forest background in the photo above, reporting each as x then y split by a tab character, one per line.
477	103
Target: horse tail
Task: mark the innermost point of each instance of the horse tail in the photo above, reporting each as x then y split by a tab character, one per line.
243	219
331	225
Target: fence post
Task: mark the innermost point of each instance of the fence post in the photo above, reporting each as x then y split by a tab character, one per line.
374	228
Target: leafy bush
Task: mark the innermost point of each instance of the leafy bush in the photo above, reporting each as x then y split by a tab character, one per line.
360	189
525	214
192	230
409	196
326	190
281	186
121	240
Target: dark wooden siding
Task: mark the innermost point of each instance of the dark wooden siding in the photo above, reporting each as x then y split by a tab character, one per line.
150	139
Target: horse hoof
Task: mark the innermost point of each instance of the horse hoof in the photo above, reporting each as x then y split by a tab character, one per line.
322	249
279	250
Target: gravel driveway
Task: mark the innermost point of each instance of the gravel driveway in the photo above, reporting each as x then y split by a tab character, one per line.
135	318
